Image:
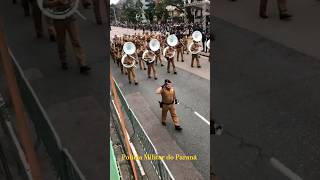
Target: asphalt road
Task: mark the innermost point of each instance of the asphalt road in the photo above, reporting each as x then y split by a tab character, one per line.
266	96
193	93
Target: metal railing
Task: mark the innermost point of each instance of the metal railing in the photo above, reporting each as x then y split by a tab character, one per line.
17	153
160	167
63	163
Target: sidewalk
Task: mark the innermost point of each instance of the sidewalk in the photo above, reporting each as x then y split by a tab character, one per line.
75	103
301	33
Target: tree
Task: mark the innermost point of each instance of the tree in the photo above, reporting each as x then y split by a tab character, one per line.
161	11
130	11
150	11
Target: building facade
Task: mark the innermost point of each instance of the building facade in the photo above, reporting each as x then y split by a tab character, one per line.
200	10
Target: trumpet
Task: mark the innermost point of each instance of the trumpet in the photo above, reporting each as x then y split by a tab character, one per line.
127	60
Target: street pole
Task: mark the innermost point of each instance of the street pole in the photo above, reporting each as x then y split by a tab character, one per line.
114	13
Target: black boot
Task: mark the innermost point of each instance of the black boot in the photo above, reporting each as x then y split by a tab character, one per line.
84	69
178	128
285	16
64	66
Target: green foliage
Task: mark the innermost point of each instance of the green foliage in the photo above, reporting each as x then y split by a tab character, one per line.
150	11
161	11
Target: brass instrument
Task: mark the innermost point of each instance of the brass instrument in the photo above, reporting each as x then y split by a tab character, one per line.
150	56
169	51
66	9
195	47
127	60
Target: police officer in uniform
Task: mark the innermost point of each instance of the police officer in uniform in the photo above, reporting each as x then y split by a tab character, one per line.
168	103
139	54
37	19
170	60
63	26
131	71
195	56
180	51
148	57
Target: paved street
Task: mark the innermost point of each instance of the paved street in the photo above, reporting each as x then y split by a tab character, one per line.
301	33
193	91
266	95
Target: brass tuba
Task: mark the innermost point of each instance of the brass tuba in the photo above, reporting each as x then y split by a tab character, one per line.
195	47
169	51
154	45
208	44
66	9
128	48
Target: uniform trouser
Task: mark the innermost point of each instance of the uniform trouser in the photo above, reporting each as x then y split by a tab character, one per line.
37	18
282	6
131	74
25	5
158	57
195	56
178	54
141	64
62	27
185	49
96	8
151	68
171	61
172	109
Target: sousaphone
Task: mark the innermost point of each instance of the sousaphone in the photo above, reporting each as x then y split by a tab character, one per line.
128	48
197	37
65	10
169	51
154	45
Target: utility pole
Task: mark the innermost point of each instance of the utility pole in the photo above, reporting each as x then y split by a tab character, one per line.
21	117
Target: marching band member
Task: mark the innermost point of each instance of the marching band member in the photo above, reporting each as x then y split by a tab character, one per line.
130	70
158	52
169	57
139	53
149	57
180	51
194	47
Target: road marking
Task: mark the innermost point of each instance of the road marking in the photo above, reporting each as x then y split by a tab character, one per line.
283	169
201	117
